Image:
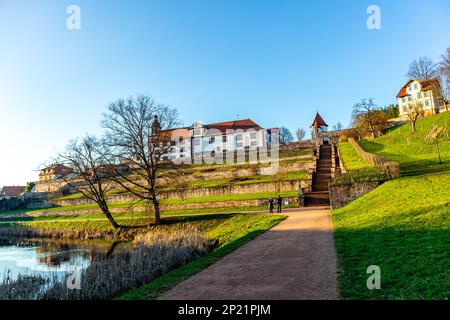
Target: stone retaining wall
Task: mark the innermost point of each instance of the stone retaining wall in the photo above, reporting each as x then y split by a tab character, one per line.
197	192
263	203
390	168
341	195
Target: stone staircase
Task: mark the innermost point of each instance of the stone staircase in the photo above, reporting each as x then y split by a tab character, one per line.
319	196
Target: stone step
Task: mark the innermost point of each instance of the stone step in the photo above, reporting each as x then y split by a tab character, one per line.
317	199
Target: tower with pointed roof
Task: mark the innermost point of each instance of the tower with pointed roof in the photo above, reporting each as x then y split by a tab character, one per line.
319	125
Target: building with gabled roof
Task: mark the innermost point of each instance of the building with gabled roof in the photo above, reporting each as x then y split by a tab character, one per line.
11	191
427	95
218	137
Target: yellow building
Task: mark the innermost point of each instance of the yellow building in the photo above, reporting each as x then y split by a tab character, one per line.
427	95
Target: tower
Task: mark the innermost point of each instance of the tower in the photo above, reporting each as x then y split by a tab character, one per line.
318	126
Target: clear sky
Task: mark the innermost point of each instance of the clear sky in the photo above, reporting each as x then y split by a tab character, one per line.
275	62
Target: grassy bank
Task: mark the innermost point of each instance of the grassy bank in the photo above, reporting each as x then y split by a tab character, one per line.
350	158
230	234
409	149
403	226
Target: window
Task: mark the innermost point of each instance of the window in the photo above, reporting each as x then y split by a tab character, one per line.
419	95
427	103
426	94
181	150
409	98
172	143
404	99
239	145
196	142
420	105
239	137
211	140
218	149
253	135
416	86
253	143
180	140
405	109
224	138
197	132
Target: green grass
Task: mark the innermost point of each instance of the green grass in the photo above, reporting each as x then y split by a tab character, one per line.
403	227
350	158
206	199
230	234
409	149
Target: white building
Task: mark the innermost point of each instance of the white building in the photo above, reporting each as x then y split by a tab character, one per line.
200	139
426	94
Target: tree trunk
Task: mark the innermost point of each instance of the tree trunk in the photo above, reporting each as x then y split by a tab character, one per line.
110	218
157	212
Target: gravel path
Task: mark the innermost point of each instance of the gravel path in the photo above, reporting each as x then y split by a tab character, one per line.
294	260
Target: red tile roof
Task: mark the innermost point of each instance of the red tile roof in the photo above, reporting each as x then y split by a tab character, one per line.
12	191
222	127
319	122
57	169
424	85
245	124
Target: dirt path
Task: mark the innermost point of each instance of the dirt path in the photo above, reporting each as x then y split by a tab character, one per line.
294	260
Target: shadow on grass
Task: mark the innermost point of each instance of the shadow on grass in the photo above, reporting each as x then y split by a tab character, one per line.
413	264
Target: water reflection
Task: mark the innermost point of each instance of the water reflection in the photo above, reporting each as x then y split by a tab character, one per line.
52	258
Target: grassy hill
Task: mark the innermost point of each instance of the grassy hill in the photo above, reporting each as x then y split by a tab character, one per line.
410	150
403	226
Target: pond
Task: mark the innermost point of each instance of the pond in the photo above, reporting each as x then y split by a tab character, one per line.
52	258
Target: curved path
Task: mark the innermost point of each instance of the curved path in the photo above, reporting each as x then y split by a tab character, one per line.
294	260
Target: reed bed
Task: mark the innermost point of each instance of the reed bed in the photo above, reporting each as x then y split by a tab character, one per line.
154	253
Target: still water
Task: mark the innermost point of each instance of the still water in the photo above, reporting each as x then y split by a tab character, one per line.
52	258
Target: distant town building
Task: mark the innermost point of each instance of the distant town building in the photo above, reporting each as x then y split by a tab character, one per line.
213	138
427	94
318	127
8	192
54	172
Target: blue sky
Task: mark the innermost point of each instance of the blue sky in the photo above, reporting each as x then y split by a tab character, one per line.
276	62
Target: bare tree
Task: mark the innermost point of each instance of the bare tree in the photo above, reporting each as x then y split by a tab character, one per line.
415	112
368	119
135	133
300	133
285	135
435	136
444	72
422	69
338	126
91	176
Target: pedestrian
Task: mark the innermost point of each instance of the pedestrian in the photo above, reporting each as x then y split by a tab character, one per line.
279	203
270	205
301	198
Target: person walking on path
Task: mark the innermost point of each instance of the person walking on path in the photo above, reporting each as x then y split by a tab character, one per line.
270	205
279	203
301	198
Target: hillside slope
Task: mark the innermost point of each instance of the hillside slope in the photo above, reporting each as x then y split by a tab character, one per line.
403	226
